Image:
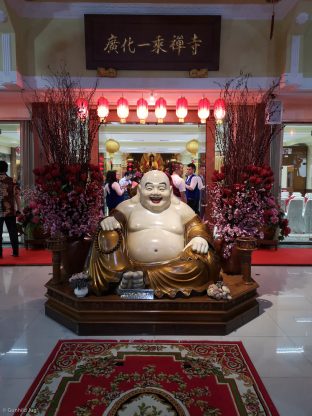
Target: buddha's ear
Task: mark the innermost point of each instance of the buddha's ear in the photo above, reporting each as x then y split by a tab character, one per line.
137	196
139	190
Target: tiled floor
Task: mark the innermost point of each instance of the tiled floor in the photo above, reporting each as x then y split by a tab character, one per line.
279	341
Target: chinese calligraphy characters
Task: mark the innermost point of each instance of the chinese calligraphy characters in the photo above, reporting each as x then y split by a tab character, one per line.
156	46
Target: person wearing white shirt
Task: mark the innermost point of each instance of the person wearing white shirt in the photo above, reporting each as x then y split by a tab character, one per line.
124	182
179	189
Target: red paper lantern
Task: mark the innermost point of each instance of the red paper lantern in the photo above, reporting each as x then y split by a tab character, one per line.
181	109
203	109
219	110
122	109
160	109
82	105
142	110
102	108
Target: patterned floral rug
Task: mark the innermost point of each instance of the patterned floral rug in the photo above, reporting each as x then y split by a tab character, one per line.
147	378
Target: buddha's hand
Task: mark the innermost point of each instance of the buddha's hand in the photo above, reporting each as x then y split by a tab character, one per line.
199	245
110	224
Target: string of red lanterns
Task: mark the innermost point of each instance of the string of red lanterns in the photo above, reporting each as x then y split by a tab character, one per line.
219	109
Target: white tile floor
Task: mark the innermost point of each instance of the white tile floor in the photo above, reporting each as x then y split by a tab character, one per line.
279	341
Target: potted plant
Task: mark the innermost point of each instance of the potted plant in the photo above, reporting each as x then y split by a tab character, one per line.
68	188
237	193
275	223
80	283
30	221
237	210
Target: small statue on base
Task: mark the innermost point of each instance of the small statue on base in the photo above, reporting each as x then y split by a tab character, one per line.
156	241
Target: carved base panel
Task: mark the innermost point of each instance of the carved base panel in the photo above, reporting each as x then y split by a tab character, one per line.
110	315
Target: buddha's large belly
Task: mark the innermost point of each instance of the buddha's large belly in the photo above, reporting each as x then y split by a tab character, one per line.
154	245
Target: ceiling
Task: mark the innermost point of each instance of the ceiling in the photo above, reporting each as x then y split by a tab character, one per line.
234	9
297	134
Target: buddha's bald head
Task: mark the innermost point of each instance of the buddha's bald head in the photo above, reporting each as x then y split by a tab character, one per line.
155	191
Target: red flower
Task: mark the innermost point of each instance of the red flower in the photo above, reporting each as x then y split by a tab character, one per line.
227	192
83	177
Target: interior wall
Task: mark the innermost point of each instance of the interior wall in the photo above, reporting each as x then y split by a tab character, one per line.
44	42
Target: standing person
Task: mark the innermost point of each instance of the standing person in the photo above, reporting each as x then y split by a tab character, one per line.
112	191
135	182
178	184
125	183
193	186
9	196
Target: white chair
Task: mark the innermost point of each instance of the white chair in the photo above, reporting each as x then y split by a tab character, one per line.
308	195
295	194
307	216
294	215
284	194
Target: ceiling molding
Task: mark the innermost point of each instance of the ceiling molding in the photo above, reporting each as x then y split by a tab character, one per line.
170	88
67	10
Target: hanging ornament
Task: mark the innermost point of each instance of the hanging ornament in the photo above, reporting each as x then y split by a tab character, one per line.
142	110
122	109
219	110
112	146
82	105
129	165
203	109
181	109
160	109
192	146
272	17
102	109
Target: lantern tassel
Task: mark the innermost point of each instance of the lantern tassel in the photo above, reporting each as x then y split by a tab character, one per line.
272	25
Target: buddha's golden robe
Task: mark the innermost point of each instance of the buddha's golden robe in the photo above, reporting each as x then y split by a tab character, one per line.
188	272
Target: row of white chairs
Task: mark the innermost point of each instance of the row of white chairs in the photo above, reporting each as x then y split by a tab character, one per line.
299	214
286	194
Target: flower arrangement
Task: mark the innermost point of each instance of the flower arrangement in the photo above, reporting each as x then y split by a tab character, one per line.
274	218
69	198
29	215
79	280
240	193
69	188
238	209
30	219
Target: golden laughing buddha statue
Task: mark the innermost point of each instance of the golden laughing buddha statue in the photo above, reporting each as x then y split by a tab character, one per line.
153	240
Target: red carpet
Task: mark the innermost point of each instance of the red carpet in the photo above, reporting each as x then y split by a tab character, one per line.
282	257
30	257
88	377
261	257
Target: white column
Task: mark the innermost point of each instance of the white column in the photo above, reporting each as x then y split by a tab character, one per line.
6	52
295	54
309	168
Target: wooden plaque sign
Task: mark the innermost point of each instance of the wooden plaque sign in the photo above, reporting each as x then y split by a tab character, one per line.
152	42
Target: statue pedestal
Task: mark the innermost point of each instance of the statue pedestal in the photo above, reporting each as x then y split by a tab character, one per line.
111	315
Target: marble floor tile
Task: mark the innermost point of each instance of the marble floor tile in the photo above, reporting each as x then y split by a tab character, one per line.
278	341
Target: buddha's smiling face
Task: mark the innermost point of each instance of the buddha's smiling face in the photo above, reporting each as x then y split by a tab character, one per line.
155	191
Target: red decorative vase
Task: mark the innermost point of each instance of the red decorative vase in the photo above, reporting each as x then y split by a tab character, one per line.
75	255
231	265
269	232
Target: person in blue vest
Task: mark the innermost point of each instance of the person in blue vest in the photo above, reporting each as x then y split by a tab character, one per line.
112	191
193	185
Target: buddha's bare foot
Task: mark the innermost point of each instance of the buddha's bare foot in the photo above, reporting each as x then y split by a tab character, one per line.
132	280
